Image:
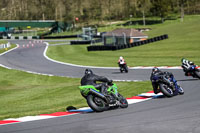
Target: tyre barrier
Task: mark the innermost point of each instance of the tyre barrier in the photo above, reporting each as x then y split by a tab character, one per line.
102	48
134	44
80	42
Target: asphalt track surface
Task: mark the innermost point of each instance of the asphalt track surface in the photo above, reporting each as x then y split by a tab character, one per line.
180	114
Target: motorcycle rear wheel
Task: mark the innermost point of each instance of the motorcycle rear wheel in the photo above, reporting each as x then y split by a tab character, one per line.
166	90
96	103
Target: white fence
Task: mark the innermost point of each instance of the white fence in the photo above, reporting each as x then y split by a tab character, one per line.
7	45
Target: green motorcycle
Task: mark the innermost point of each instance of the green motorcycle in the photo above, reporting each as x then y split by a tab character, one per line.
100	102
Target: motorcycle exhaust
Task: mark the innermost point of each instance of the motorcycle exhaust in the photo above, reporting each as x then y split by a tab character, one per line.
167	81
170	84
99	95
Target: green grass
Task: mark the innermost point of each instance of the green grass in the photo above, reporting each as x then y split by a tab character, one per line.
23	94
3	41
183	42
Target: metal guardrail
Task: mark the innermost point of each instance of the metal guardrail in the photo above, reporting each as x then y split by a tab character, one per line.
20	37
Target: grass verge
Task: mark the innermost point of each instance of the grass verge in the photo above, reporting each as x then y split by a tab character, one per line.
23	94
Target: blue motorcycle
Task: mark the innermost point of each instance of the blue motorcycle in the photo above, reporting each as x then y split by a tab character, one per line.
168	85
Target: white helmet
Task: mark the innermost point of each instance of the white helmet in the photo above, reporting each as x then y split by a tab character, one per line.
121	58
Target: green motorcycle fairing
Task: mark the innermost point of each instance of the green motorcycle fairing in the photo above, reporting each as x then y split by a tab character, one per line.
113	89
85	89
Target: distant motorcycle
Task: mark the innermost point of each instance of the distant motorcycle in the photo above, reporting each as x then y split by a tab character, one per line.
100	102
192	71
123	68
166	85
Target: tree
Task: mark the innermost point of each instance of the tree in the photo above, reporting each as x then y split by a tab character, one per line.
86	10
161	8
144	6
182	2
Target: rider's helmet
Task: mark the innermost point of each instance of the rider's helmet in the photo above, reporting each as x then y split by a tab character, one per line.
182	60
88	72
155	69
121	58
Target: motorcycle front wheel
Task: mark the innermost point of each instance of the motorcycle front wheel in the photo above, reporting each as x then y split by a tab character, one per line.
197	73
180	90
123	102
96	103
126	69
166	90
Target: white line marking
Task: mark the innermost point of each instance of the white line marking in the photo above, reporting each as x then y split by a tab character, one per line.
69	64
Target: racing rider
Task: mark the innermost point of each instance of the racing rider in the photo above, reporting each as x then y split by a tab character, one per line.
156	71
186	65
121	61
91	79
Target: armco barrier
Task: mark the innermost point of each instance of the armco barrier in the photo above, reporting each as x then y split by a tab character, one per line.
38	37
118	47
52	37
20	37
58	37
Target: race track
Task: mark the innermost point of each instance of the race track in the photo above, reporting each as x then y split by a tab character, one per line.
179	114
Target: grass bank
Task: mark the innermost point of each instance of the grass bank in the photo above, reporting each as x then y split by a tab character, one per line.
183	42
23	94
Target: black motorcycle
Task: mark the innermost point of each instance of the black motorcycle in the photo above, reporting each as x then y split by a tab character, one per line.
123	68
166	85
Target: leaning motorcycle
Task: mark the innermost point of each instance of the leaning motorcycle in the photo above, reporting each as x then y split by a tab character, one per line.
123	68
101	102
167	86
193	71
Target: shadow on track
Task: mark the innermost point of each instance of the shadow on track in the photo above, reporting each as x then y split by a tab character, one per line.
188	79
117	73
86	111
159	97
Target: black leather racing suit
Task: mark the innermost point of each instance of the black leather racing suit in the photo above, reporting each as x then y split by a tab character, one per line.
91	79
